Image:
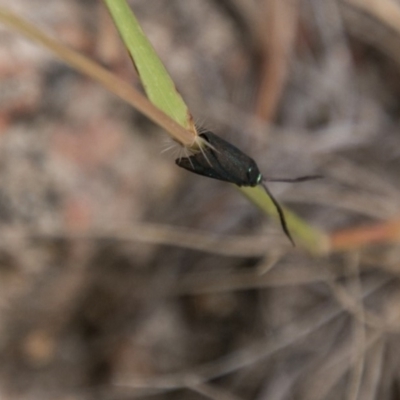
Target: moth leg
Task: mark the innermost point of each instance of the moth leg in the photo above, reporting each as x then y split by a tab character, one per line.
280	213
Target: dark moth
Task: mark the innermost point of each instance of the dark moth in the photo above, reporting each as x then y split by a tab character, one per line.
225	162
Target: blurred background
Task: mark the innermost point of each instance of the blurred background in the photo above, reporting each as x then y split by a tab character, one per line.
123	276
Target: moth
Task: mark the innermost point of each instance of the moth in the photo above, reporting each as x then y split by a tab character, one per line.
223	161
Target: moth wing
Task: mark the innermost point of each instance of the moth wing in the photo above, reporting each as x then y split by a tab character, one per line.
242	169
199	164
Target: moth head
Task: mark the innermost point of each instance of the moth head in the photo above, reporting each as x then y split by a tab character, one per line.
253	175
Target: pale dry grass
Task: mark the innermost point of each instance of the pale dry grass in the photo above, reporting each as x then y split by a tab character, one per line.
124	277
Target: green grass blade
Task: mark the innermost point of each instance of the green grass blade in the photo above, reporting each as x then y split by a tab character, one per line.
155	79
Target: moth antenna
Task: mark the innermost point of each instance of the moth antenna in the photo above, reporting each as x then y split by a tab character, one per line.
280	213
298	179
